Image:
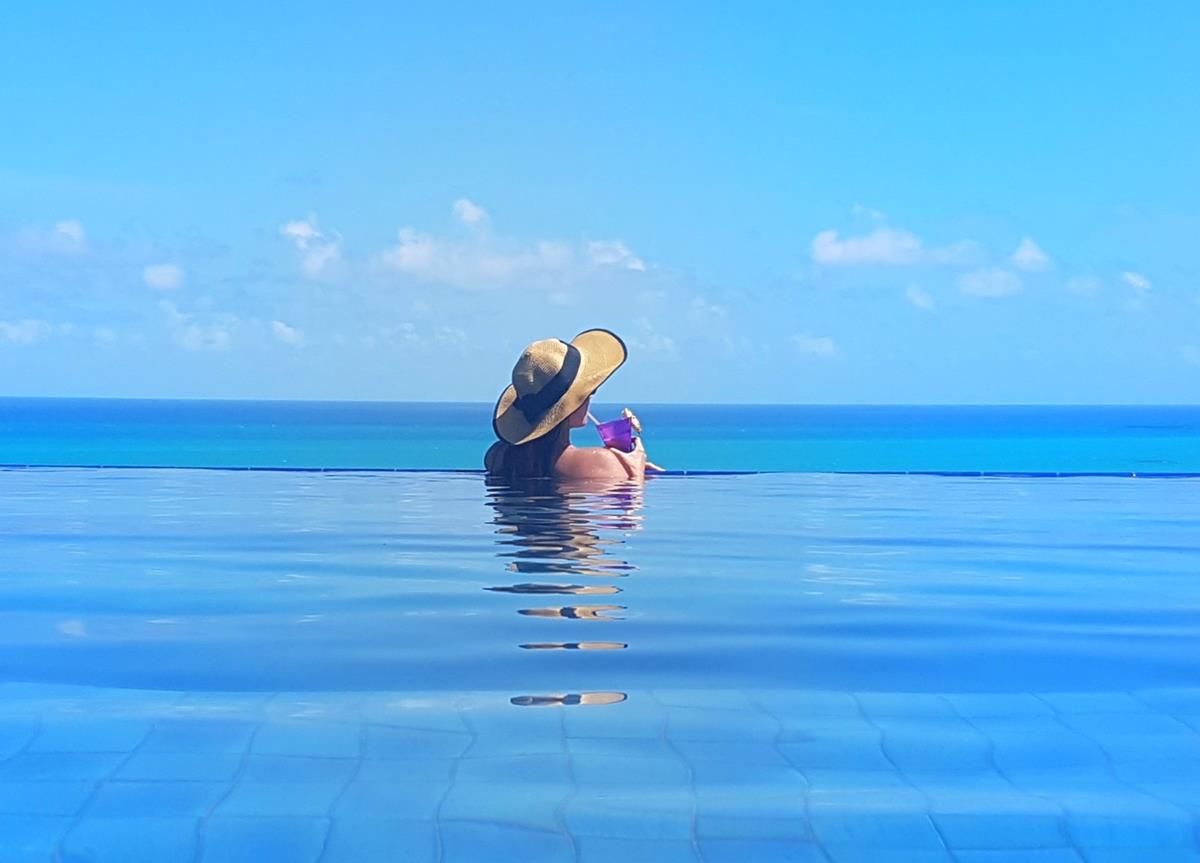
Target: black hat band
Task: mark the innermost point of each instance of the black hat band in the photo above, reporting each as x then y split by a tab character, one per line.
534	405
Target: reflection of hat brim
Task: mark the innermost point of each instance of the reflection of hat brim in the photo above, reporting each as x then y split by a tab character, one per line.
600	354
568	699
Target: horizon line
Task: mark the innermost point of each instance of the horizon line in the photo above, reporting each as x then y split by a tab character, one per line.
458	402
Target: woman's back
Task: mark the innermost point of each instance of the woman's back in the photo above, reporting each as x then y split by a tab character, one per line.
572	462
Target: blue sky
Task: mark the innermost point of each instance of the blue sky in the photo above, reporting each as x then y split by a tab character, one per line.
861	202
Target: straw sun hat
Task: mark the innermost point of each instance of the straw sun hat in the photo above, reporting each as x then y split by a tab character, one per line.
551	380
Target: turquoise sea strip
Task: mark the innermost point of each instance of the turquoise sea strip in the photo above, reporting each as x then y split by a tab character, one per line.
796	438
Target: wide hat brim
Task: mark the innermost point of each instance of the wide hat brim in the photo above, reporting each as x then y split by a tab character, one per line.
600	354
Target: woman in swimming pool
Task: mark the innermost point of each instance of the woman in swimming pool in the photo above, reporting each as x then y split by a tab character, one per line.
552	386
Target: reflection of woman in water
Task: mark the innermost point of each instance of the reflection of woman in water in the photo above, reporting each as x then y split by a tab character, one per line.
555	529
552	386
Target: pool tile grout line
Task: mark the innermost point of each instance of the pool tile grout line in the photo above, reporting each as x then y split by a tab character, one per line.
665	738
243	764
928	814
560	811
346	783
81	813
783	756
1060	821
439	826
1106	756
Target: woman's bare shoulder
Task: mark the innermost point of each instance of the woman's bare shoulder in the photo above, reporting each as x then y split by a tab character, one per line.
592	462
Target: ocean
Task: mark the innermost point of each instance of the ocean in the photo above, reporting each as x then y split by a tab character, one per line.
679	437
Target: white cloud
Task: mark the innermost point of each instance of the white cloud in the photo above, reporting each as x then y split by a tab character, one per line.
413	253
469	212
174	316
198	337
884	246
301	231
989	283
210	332
1136	281
317	259
920	298
545	256
1084	285
452	336
287	335
1030	257
702	319
870	212
482	260
648	338
67	237
1190	355
71	231
163	277
24	332
407	331
814	346
702	308
614	253
104	335
408	334
318	252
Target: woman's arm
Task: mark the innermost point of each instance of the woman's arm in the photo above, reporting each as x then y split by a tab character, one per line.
634	466
595	462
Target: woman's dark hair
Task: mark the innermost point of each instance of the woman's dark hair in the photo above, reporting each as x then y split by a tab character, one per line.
535	459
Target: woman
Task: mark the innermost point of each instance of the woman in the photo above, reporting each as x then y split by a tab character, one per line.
552	386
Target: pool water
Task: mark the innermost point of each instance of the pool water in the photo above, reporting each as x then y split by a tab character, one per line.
244	665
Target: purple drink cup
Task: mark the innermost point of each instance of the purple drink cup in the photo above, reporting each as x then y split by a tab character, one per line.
617	434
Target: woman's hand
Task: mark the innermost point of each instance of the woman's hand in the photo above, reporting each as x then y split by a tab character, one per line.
646	463
637	441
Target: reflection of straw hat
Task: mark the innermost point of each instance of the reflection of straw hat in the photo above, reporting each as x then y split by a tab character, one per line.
575	612
551	380
568	699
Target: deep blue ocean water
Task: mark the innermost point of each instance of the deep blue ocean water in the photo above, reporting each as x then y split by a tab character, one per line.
680	437
377	665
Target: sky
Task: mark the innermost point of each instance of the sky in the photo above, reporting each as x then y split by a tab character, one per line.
938	202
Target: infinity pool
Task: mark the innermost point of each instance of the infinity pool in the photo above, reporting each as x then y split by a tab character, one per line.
211	665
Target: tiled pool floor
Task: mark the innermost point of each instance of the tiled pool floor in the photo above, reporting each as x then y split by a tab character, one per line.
95	774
